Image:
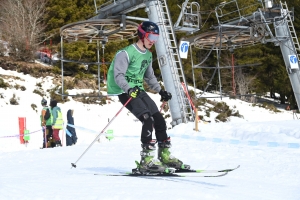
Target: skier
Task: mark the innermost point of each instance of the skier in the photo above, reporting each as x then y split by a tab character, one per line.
46	124
70	140
130	66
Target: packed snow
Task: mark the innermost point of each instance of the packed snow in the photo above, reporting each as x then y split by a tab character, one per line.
263	143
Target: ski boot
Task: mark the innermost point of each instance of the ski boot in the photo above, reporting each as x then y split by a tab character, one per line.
48	145
148	163
164	155
58	143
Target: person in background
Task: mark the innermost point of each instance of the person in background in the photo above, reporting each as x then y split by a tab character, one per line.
130	67
70	140
46	123
57	122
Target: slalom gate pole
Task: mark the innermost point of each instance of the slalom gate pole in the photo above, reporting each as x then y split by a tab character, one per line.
74	164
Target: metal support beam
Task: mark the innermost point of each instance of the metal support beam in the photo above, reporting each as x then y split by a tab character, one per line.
118	8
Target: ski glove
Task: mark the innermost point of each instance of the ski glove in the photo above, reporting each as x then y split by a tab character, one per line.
134	92
165	96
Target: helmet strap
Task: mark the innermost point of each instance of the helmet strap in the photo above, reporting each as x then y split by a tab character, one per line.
143	40
143	43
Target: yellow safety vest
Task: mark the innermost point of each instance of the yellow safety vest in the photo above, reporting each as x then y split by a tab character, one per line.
59	124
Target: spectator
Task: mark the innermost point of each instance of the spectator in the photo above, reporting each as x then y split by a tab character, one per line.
70	140
46	123
57	123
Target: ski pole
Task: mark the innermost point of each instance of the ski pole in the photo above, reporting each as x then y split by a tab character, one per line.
162	106
45	136
62	136
74	164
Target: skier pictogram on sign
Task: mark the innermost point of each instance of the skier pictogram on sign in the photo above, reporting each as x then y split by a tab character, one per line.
293	61
183	49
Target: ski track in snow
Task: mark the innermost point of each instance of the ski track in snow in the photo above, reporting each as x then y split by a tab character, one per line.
37	174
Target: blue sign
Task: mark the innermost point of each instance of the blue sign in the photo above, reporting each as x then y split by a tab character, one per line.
293	59
184	47
293	62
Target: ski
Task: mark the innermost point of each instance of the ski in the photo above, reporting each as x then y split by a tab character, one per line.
162	175
205	170
177	173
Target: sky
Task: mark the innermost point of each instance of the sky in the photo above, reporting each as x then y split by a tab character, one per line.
264	144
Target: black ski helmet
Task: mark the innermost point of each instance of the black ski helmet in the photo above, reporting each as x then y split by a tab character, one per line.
147	27
44	102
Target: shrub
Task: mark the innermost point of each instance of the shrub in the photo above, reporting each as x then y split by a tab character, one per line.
14	100
200	102
69	84
91	98
55	94
221	107
271	107
56	70
167	116
222	117
17	86
37	91
267	106
23	88
237	114
3	84
223	110
39	85
34	107
207	113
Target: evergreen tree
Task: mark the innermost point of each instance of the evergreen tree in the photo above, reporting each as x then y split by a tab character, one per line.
61	13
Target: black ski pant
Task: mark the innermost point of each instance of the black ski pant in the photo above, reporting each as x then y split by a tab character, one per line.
145	109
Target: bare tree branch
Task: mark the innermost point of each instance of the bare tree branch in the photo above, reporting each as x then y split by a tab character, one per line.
22	26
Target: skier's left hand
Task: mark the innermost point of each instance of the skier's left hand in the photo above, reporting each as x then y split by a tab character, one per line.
165	96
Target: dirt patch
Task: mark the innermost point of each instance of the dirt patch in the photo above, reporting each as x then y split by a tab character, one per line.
34	69
37	70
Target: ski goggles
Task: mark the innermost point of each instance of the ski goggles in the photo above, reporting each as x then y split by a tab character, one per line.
151	37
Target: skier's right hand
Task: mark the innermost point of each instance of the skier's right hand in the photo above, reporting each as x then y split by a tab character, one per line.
134	92
165	96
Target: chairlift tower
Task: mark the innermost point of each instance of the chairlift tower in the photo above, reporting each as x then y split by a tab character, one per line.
289	46
170	61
